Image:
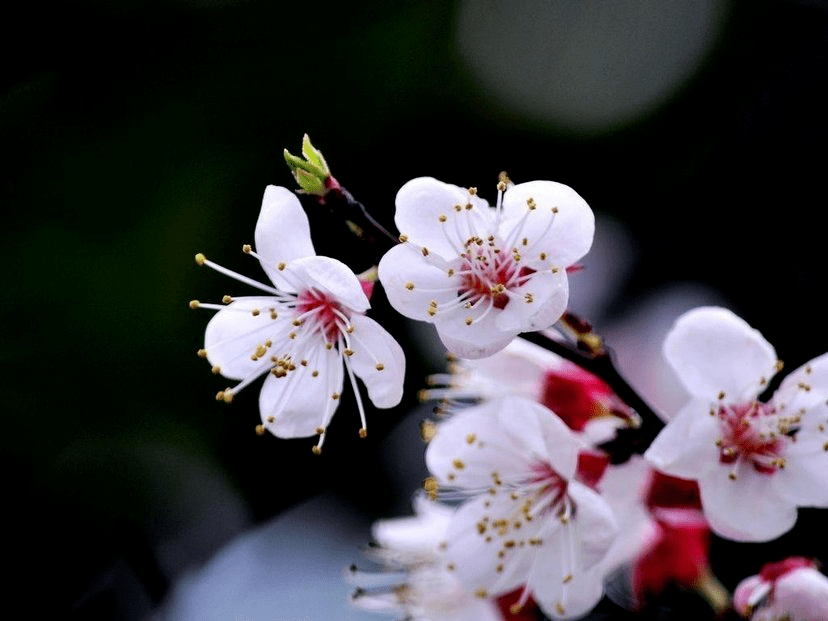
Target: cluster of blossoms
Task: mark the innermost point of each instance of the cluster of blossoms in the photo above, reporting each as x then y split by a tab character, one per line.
534	505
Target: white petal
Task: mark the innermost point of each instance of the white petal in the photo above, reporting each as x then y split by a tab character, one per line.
804	479
745	509
332	277
485	557
686	447
713	350
543	436
411	283
479	340
421	533
536	304
378	361
300	402
572	228
806	388
420	204
234	333
470	448
282	233
576	598
803	595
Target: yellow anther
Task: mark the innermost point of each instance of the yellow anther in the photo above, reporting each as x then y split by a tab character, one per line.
458	463
202	353
226	299
314	373
281	266
194	304
554	210
246	249
409	285
425	251
200	259
403	238
320	431
335	396
471	438
469	321
255	312
501	187
442	217
721	395
260	430
317	450
472	191
363	432
216	370
379	366
481	593
530	203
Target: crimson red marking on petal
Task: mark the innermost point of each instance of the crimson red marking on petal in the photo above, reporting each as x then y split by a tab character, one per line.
772	572
669	491
325	309
591	467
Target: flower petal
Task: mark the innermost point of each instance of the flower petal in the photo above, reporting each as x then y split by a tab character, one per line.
332	277
296	405
234	334
536	304
713	351
426	215
594	522
806	389
802	595
564	236
282	233
686	447
378	360
471	451
747	508
411	283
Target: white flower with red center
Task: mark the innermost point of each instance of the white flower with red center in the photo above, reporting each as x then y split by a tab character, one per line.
527	522
790	590
755	462
482	275
305	335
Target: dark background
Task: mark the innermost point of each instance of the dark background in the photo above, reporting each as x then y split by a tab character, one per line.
134	134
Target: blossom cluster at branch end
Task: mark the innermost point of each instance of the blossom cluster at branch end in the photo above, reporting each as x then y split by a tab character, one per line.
484	274
305	335
755	462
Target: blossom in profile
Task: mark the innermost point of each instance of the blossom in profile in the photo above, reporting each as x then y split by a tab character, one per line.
527	522
305	334
791	590
755	462
482	275
415	582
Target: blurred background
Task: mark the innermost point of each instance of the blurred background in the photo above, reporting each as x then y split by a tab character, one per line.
136	133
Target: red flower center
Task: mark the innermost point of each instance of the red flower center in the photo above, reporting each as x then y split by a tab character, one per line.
751	432
323	311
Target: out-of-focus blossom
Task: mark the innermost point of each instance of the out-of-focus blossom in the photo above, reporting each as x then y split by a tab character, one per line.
580	399
417	583
482	275
305	335
528	522
790	590
754	462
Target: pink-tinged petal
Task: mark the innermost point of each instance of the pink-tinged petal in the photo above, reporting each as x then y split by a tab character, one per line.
536	304
487	558
745	508
745	592
562	236
545	437
234	334
427	216
471	451
714	351
298	404
806	388
378	360
594	523
686	447
282	233
411	283
802	595
332	277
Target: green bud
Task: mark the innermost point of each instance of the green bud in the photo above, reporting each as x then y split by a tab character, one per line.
312	172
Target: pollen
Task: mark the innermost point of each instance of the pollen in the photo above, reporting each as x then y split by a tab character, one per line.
379	366
458	463
216	370
281	266
471	438
403	238
226	299
255	312
316	450
481	593
200	259
260	430
530	203
469	321
363	432
202	353
246	249
409	285
194	304
442	217
425	251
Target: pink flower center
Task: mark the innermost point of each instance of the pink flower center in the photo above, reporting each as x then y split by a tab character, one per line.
487	274
751	432
551	485
322	312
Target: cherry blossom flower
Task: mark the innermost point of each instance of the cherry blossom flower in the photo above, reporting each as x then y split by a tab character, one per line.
790	590
581	399
482	275
755	462
527	522
418	585
304	335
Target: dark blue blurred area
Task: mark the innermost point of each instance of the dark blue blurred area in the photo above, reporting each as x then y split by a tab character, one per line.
134	134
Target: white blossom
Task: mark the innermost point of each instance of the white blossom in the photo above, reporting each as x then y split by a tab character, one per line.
527	523
305	334
790	590
755	462
482	275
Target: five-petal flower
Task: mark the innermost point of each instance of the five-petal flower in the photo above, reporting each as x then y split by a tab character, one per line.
482	275
527	522
305	335
755	462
